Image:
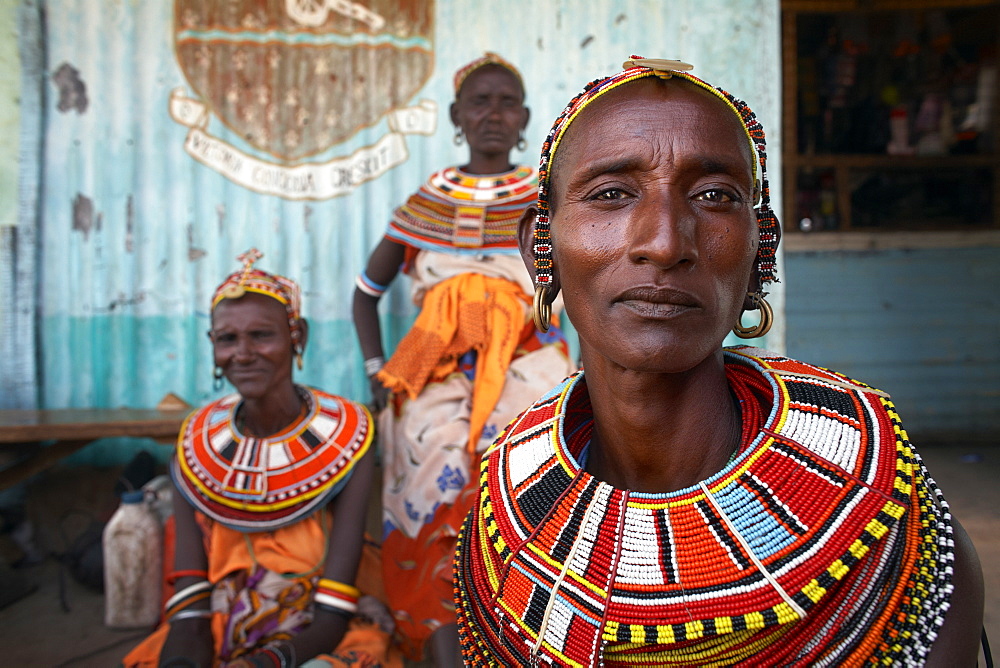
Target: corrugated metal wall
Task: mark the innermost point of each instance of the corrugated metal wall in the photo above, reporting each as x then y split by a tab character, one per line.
134	233
921	324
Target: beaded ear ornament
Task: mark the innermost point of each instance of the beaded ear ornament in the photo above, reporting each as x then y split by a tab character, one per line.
636	68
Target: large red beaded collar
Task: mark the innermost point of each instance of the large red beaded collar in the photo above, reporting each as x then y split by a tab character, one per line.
252	484
825	518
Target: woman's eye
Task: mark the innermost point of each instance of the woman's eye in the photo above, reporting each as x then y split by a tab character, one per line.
262	334
223	338
610	194
717	195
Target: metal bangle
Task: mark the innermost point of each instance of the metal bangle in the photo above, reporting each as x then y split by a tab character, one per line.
190	614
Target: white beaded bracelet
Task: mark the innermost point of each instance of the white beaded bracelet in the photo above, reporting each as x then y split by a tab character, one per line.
373	365
187	591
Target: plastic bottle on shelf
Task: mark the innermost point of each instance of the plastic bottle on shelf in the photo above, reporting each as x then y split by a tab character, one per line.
133	557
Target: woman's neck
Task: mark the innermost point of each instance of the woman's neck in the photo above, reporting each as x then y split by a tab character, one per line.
265	416
492	164
658	433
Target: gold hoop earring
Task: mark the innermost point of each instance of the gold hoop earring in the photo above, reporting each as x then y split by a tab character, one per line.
541	308
521	142
298	360
459	138
762	327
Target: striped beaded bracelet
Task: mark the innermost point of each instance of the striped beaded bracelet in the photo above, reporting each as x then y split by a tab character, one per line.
336	597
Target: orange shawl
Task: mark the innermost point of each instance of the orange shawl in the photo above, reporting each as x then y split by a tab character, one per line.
466	312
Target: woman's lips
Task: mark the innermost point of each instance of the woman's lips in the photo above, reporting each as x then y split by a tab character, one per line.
653	302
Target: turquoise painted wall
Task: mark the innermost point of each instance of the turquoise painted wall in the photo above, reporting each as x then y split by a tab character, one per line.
10	117
922	325
133	233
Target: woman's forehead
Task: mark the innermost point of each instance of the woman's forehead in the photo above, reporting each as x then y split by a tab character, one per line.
490	76
672	110
250	304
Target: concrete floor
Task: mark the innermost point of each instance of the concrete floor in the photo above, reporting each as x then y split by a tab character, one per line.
61	622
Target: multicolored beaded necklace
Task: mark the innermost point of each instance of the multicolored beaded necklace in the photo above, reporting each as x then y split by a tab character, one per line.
823	543
261	484
459	212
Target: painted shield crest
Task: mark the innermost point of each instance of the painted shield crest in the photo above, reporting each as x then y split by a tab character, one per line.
295	77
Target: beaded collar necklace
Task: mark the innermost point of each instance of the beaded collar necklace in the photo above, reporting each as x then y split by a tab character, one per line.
822	537
260	484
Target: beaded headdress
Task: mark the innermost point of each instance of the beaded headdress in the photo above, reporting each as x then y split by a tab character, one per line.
489	58
248	279
637	68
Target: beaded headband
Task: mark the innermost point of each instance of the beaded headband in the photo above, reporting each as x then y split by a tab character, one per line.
248	279
489	58
637	68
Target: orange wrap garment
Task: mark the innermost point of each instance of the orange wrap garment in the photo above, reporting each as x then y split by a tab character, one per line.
466	312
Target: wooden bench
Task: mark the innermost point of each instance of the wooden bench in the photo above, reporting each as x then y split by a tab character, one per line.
73	428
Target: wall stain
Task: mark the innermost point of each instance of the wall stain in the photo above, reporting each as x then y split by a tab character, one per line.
586	40
129	225
72	90
122	301
193	253
83	215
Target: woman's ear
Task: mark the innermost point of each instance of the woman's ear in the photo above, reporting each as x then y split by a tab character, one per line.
527	117
526	244
304	326
453	115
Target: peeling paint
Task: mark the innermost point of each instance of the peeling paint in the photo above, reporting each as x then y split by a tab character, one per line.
83	215
121	301
193	253
72	90
586	40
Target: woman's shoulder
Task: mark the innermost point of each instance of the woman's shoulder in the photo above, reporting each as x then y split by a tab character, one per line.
777	365
329	400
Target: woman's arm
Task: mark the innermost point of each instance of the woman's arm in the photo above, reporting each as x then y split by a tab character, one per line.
958	640
191	637
349	510
383	266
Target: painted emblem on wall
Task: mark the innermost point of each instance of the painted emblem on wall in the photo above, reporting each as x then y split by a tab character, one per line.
291	79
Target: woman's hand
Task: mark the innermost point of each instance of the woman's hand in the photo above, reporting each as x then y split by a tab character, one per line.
380	395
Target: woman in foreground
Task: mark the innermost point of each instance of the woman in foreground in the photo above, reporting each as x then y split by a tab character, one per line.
680	503
271	485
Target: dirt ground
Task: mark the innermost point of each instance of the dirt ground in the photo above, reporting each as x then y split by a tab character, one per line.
59	622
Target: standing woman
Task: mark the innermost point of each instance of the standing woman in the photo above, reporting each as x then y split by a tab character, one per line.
471	361
271	485
678	503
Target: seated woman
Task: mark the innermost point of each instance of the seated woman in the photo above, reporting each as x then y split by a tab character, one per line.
271	487
472	359
679	503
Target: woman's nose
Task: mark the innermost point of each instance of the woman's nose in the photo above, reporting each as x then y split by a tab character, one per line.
662	231
244	349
